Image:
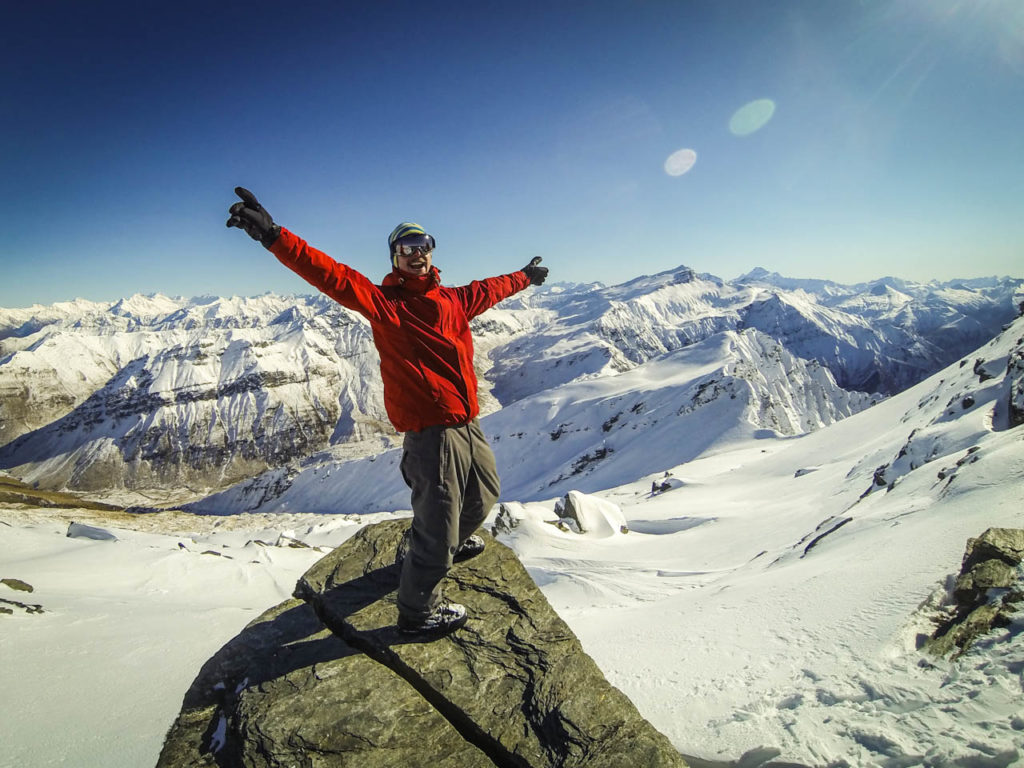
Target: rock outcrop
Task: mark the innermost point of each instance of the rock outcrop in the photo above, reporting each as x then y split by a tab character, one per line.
8	606
327	680
1015	385
988	590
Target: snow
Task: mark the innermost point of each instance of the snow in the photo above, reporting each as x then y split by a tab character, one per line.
728	637
768	602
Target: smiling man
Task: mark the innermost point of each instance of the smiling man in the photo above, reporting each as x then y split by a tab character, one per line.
421	330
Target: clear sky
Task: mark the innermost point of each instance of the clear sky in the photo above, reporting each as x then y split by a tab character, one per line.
873	138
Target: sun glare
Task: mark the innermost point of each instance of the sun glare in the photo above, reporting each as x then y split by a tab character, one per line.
1011	41
680	161
751	117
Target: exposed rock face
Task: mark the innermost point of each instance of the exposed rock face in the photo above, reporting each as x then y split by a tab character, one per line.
988	590
1015	379
170	393
512	688
587	514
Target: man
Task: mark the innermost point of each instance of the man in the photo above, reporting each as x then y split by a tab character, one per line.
421	330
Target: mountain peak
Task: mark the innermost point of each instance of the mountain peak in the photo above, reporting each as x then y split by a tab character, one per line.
755	275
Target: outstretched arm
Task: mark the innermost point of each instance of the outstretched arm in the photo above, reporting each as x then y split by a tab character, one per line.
481	295
345	285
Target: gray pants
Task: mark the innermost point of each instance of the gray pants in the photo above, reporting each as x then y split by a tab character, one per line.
454	483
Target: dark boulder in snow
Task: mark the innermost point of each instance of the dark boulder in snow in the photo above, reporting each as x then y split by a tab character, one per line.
8	606
1015	383
988	590
512	688
505	521
18	585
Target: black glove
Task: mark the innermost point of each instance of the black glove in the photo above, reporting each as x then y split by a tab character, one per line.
253	218
536	274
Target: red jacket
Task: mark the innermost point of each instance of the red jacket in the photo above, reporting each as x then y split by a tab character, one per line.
420	328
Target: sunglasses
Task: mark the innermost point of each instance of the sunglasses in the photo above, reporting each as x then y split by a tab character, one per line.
409	250
411	244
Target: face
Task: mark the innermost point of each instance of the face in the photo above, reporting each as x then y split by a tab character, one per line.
417	263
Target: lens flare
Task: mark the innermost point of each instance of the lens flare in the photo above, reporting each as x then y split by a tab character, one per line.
680	161
751	117
1011	45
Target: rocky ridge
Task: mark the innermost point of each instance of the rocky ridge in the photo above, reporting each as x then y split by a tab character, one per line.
985	595
992	382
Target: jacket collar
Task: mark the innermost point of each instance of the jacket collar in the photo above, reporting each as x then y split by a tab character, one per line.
413	284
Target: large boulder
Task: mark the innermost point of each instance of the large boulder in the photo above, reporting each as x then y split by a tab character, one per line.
512	688
288	692
987	591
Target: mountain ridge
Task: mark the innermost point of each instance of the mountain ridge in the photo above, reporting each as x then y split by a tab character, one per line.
153	392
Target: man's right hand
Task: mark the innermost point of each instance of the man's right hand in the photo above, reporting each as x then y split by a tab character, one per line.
253	218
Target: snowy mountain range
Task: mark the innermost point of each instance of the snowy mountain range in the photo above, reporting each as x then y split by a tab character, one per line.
153	394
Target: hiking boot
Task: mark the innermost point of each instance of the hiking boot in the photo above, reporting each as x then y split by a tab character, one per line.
446	618
471	547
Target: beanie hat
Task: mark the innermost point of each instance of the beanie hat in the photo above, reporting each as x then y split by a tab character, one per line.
403	229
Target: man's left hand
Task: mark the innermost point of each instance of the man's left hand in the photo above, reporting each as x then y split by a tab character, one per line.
536	274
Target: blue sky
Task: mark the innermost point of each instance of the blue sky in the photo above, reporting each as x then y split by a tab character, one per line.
895	144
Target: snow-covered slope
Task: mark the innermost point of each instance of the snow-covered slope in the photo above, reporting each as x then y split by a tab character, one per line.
595	433
154	393
773	600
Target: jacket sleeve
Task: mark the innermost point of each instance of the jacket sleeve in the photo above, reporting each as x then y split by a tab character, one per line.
345	285
481	295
